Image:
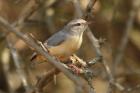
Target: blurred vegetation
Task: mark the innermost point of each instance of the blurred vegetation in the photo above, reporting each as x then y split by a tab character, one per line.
110	21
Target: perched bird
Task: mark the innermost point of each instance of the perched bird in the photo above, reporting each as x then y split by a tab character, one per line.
65	42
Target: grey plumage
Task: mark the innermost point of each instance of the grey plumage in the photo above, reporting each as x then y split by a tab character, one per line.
56	39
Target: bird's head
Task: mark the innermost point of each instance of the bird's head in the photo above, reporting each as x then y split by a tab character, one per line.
77	25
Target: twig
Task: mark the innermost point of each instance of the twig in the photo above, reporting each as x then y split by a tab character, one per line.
124	40
78	61
17	63
28	40
45	79
89	9
29	9
131	89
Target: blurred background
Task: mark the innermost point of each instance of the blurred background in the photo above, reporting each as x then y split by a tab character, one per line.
118	21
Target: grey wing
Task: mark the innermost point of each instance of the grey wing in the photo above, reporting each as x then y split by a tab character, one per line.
56	39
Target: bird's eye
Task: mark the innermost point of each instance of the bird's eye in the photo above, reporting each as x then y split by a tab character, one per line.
78	24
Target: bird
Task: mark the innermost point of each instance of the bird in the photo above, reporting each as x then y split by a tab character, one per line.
65	42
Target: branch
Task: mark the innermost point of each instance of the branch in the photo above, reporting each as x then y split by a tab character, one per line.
28	10
44	80
96	44
17	63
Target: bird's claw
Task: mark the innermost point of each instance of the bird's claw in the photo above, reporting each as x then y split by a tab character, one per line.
74	69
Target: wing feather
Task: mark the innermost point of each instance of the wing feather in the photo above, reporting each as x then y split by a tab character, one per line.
56	39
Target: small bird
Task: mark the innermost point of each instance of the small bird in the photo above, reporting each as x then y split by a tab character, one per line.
65	42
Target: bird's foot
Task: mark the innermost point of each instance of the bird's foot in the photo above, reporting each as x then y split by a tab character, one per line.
74	69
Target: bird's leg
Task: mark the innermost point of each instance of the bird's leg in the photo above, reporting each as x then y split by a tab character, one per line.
75	64
72	68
